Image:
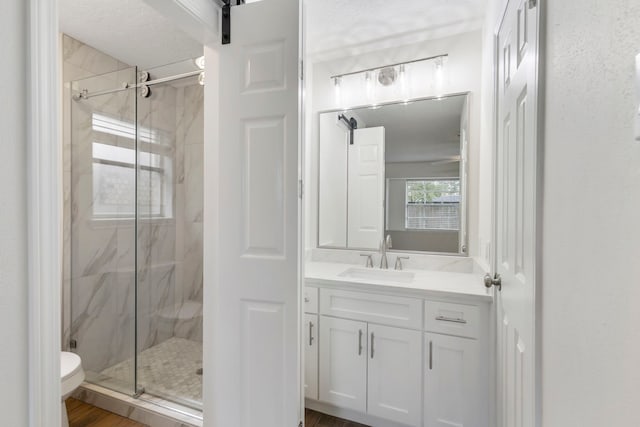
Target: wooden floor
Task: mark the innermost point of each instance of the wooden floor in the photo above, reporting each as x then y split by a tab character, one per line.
316	419
82	414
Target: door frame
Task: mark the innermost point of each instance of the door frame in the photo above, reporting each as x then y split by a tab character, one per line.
539	175
44	213
44	206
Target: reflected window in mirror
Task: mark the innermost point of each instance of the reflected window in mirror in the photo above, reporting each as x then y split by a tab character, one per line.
432	204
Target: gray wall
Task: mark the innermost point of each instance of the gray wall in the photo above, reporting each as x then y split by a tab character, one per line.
13	231
590	252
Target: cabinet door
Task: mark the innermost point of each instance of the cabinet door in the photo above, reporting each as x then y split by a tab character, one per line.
451	381
311	356
395	371
343	363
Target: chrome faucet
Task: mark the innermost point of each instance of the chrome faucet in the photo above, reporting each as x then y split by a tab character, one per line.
385	244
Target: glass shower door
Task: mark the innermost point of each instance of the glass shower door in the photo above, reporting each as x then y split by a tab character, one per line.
136	232
103	130
170	152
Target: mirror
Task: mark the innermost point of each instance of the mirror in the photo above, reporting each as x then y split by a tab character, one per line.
397	169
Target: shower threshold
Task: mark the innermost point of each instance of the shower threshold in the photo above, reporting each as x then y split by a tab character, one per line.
146	409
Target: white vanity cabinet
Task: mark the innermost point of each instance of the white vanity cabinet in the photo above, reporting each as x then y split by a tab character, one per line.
397	358
368	367
372	369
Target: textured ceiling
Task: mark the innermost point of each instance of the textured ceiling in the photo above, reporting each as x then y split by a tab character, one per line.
129	30
336	24
419	131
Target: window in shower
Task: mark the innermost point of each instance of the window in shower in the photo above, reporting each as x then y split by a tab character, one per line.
114	171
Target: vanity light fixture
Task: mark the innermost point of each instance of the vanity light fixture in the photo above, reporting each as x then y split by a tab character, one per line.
387	76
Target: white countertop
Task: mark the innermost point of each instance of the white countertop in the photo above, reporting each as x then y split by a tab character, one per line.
427	282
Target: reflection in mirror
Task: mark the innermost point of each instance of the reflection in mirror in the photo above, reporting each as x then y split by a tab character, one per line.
401	174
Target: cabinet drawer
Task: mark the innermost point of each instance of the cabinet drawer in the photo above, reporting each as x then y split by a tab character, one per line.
451	319
383	309
310	300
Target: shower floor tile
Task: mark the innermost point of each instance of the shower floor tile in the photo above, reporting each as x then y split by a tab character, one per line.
171	370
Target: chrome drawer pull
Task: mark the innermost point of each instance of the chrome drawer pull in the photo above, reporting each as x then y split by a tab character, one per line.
430	355
310	334
372	338
451	319
359	342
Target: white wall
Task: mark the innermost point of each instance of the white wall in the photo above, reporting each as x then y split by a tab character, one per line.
332	184
13	232
422	170
481	244
591	252
461	75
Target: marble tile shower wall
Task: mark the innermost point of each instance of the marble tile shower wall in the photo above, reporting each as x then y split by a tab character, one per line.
99	256
189	209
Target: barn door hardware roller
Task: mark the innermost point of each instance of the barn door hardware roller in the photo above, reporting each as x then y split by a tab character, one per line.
226	19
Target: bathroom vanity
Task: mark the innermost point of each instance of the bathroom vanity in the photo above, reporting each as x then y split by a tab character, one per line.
396	348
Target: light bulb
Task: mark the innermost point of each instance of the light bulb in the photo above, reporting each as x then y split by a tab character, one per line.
337	90
404	84
439	76
370	87
199	61
201	79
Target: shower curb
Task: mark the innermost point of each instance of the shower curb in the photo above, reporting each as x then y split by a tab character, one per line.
151	411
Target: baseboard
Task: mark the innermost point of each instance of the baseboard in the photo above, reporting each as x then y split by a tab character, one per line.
349	414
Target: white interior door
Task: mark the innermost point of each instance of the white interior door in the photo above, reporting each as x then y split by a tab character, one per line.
252	309
516	203
366	188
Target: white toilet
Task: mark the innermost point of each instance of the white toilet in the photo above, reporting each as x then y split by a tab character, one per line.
72	375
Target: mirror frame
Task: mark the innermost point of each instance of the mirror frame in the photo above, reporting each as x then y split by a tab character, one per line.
463	239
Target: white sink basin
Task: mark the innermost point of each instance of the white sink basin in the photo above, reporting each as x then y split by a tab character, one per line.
378	275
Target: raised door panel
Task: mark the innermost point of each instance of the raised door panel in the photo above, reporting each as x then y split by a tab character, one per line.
343	363
394	386
311	356
451	382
